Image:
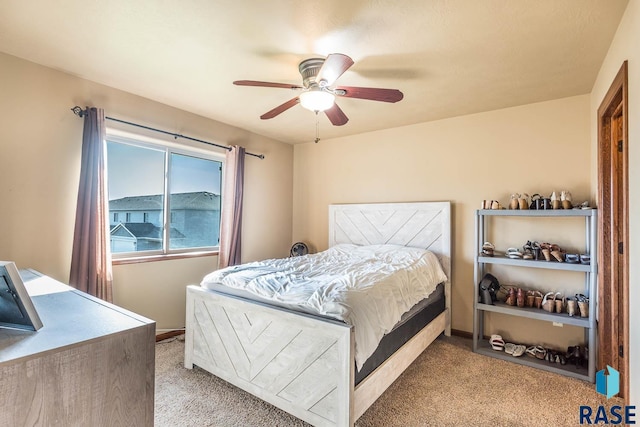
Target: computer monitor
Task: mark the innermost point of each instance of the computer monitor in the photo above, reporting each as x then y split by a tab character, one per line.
16	308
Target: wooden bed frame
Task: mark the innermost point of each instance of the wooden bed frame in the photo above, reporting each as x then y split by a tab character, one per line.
304	364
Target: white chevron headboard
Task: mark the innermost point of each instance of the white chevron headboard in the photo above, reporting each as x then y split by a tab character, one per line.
422	225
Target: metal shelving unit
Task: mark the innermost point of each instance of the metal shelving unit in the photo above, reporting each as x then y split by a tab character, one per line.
481	345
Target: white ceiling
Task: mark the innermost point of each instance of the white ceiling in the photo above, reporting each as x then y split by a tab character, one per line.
448	57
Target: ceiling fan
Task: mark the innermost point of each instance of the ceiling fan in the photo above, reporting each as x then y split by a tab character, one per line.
318	92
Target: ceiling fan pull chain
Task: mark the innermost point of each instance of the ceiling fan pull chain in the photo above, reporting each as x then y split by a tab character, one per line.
317	129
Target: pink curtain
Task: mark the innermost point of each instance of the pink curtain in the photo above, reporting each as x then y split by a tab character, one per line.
91	255
231	215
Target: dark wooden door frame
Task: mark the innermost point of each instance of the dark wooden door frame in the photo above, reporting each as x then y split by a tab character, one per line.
613	230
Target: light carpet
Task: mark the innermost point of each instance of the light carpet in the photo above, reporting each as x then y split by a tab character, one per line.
447	385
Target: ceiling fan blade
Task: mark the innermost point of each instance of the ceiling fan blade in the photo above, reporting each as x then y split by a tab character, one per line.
332	68
371	93
265	84
336	115
280	109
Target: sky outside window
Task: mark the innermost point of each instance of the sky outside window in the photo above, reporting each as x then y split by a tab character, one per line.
136	199
139	171
134	171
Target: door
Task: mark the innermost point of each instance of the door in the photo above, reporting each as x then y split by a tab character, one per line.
613	231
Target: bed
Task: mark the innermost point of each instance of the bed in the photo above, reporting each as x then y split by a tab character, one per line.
306	364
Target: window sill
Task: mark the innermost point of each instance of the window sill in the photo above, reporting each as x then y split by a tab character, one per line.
163	257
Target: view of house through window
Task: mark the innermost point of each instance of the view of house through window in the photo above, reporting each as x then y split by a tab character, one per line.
141	202
195	215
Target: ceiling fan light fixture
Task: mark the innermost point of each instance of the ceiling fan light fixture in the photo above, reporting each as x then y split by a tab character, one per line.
317	100
318	92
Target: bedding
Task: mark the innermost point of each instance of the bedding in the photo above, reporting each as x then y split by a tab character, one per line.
368	287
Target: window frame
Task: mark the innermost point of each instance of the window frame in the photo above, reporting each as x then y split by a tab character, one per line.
168	148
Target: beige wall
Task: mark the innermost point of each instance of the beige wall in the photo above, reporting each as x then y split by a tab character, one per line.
541	147
625	47
40	141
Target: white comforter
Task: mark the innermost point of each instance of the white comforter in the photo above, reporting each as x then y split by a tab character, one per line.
369	287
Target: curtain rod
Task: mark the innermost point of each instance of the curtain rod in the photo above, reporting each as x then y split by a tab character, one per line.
78	111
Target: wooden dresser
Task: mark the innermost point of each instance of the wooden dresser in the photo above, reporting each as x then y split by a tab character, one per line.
91	364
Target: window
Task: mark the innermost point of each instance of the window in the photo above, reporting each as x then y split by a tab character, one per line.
170	198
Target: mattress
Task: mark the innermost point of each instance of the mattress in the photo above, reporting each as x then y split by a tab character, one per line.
412	322
368	287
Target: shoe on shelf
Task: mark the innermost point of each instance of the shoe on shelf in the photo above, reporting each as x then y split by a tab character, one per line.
572	258
583	205
583	305
537	301
548	302
550	356
509	348
555	201
572	306
523	201
574	355
565	199
512	298
497	343
513	201
519	350
527	249
530	299
537	251
539	352
521	297
488	249
514	253
560	302
556	252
